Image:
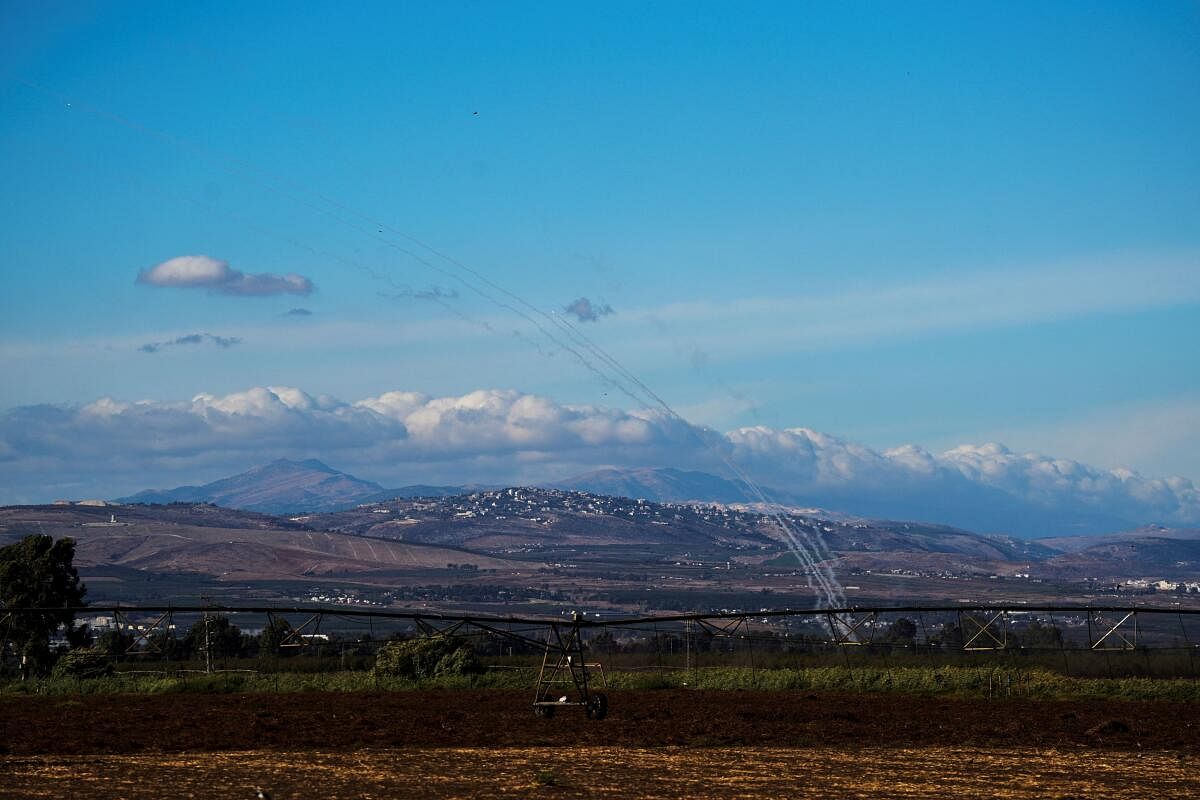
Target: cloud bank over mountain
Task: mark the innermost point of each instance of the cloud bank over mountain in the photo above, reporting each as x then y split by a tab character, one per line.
108	448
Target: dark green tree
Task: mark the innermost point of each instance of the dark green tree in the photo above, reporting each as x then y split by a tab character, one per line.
604	642
426	658
82	663
215	632
273	635
1039	636
163	645
948	637
114	643
38	573
901	632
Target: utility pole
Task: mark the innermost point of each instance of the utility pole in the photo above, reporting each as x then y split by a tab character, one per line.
687	645
207	640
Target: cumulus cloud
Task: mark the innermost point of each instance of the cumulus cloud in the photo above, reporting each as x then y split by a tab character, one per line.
205	272
223	342
986	487
403	437
188	272
504	436
585	310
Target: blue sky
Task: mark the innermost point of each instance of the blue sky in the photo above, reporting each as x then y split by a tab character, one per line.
928	223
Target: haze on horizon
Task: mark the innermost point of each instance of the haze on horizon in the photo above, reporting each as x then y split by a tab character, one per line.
854	247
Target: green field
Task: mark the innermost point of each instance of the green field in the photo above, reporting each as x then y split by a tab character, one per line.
957	681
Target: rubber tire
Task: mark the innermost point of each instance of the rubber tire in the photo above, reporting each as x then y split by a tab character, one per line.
597	706
545	712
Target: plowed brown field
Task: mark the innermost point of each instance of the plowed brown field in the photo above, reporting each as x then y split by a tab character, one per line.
615	772
461	743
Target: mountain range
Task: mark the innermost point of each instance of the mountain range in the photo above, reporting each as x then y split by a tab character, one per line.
624	539
533	542
285	487
947	498
662	485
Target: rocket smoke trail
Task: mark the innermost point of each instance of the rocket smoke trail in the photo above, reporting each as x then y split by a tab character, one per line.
809	548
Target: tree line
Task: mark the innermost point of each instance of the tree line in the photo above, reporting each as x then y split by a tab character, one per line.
38	572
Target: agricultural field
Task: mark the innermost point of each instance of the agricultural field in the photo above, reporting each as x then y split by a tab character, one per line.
615	772
669	742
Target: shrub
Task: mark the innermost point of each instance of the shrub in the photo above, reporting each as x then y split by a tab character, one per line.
83	663
426	658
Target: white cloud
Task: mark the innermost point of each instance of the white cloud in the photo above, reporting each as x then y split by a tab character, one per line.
506	421
111	448
1050	482
205	272
187	272
985	486
1162	434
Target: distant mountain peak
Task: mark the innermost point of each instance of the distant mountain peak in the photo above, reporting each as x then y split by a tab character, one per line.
659	484
279	487
949	499
292	464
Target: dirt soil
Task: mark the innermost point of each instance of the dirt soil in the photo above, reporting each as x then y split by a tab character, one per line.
176	723
611	772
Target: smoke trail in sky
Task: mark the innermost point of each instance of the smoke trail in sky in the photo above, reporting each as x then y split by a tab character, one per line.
810	550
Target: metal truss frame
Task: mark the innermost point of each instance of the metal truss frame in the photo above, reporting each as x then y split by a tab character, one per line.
983	636
845	628
163	622
564	666
296	636
729	629
1119	634
724	623
983	627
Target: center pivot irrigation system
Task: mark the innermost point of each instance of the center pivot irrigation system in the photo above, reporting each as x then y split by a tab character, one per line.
566	679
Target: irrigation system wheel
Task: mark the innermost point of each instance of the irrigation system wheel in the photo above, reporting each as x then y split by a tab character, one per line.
597	705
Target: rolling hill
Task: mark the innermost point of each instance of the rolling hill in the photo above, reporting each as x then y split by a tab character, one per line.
536	543
227	545
280	487
288	487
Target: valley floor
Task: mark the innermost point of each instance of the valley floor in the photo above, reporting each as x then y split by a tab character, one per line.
655	743
607	771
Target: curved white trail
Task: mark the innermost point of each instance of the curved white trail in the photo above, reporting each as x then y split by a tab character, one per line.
810	550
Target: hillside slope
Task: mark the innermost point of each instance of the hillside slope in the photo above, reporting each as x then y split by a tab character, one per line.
280	487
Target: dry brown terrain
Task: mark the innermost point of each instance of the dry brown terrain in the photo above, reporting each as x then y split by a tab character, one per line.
228	545
617	772
485	743
571	551
126	724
